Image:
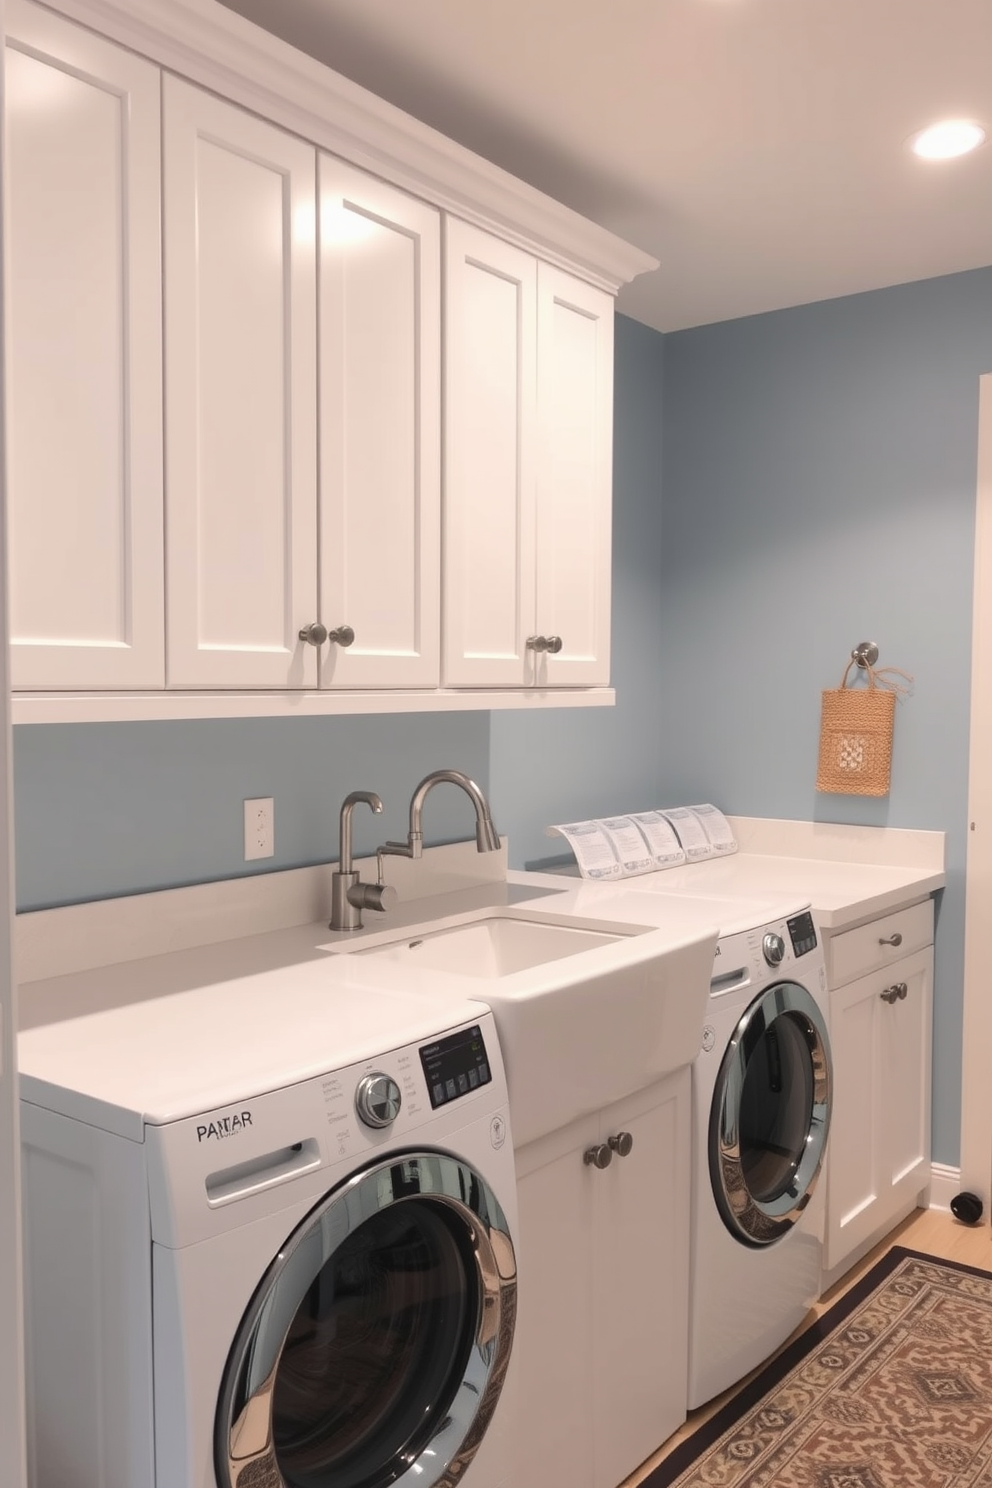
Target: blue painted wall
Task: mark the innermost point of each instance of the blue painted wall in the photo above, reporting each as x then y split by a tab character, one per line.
106	809
819	490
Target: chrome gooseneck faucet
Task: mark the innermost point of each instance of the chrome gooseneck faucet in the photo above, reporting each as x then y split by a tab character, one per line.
486	835
349	895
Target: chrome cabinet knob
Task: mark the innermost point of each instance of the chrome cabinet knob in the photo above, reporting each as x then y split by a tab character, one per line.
552	643
315	634
902	991
893	940
598	1157
378	1100
342	635
622	1144
896	993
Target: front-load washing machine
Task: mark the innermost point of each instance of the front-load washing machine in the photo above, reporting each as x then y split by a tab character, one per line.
761	1101
269	1241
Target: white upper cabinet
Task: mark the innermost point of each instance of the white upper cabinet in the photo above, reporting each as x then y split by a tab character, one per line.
84	358
380	432
490	458
270	449
574	477
528	448
240	395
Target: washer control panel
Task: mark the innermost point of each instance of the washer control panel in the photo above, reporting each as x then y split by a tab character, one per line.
455	1065
378	1099
802	933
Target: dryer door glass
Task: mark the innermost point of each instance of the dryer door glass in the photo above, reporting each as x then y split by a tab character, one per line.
770	1115
375	1349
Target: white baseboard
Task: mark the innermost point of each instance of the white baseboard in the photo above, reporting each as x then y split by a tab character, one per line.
945	1182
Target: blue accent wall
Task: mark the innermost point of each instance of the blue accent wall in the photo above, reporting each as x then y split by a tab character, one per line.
819	482
784	487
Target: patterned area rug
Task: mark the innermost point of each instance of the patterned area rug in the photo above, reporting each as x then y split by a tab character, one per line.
890	1388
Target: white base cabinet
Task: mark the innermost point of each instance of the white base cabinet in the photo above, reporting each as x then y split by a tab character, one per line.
878	1163
600	1354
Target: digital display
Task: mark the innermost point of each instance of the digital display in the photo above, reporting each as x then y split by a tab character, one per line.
455	1066
802	933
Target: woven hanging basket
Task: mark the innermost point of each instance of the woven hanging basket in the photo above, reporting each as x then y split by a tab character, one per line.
856	726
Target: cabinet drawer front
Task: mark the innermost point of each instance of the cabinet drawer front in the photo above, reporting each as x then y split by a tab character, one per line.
856	952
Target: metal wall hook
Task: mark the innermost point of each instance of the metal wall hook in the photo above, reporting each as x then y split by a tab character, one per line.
865	654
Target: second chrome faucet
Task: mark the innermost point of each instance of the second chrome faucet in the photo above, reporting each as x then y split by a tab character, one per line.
349	895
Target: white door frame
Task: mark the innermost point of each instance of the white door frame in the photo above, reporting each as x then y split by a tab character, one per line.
976	1075
13	1454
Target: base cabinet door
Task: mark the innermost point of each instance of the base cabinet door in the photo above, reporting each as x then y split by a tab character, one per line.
84	348
601	1348
241	395
878	1162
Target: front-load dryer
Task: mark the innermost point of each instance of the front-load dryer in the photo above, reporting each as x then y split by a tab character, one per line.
269	1242
761	1103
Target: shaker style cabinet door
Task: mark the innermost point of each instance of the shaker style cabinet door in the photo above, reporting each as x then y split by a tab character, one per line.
379	354
574	479
84	358
240	396
490	457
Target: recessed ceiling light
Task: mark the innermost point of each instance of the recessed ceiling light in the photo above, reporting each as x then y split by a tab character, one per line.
948	138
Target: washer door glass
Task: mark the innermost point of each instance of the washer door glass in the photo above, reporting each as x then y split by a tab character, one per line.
376	1346
770	1115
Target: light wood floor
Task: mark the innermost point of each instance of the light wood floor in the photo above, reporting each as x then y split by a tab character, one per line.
932	1230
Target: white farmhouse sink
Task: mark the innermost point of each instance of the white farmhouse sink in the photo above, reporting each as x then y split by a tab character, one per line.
588	1010
494	945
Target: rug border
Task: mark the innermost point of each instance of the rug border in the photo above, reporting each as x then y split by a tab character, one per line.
777	1368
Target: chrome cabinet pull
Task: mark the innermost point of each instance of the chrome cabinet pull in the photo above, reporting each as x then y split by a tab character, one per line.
551	643
314	634
890	994
598	1157
343	635
895	939
622	1144
903	991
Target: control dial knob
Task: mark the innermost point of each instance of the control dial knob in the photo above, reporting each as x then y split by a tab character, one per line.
378	1099
773	947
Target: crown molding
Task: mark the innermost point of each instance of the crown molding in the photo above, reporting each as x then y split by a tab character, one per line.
210	45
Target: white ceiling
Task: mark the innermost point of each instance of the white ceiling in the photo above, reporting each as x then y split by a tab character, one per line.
755	147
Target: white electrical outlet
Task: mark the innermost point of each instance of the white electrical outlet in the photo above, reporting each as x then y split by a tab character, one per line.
259	828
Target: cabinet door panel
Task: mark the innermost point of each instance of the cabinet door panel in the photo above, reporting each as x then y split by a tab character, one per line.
490	393
555	1358
240	396
380	418
905	1051
84	358
641	1297
857	1118
575	400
